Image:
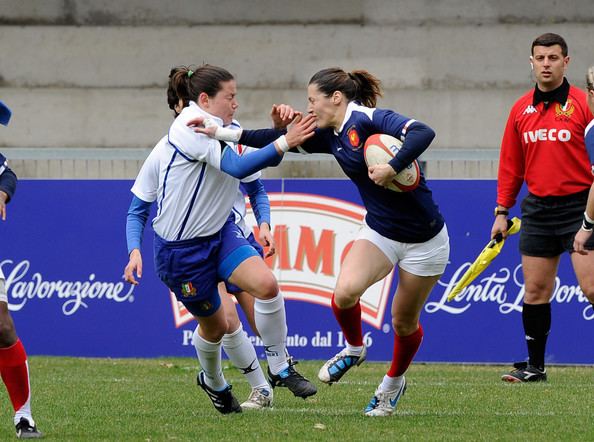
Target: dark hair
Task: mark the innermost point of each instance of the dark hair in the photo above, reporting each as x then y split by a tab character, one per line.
550	39
357	85
186	83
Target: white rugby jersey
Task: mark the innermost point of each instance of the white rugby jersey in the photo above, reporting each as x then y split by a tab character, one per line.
182	173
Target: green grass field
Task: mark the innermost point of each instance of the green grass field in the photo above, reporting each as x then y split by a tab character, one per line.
157	399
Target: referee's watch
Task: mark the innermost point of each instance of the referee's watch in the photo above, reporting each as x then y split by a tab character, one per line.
499	211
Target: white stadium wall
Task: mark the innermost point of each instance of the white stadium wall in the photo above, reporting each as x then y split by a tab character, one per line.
82	74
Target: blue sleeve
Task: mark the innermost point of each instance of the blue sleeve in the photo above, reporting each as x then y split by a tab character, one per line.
8	179
589	139
418	139
138	214
243	166
319	143
415	135
260	137
259	200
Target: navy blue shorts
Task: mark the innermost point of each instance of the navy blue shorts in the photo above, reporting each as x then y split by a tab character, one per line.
189	269
549	224
193	268
232	288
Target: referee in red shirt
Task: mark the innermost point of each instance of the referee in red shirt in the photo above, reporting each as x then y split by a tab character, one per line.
543	145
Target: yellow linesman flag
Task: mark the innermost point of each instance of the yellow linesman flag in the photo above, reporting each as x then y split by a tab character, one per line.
484	259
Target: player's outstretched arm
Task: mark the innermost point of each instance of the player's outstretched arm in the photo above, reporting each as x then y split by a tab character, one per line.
271	155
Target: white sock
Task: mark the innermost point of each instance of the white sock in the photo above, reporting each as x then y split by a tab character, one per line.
243	355
354	350
391	384
209	355
272	325
25	410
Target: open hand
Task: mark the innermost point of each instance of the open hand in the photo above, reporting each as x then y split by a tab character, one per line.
282	115
134	266
302	129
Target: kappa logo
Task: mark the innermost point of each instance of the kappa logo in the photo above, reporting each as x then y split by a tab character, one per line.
529	110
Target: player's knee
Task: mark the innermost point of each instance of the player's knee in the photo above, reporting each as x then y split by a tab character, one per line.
346	293
404	326
232	322
267	287
537	294
7	332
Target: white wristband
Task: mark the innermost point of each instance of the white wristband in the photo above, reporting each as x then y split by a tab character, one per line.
587	218
223	133
282	144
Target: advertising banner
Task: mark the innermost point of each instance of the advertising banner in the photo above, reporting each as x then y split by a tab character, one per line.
63	251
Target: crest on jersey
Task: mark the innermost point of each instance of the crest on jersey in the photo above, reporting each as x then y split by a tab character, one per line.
564	112
188	289
354	138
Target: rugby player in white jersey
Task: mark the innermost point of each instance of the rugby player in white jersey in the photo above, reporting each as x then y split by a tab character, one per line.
235	342
197	181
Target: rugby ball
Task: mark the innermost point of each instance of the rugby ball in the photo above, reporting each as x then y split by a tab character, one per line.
380	149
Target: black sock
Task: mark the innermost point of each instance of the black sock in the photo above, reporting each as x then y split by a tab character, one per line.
537	324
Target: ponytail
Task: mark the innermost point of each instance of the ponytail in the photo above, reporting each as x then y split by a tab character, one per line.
178	87
187	84
357	85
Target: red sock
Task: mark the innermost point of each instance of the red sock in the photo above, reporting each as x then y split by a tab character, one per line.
405	349
15	373
349	320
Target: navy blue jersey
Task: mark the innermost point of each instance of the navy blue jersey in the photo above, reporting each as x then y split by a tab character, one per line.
8	179
410	217
589	140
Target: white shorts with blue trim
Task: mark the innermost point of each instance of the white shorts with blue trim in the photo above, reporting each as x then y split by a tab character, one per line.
428	258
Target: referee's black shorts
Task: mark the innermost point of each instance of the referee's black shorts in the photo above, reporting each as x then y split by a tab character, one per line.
549	224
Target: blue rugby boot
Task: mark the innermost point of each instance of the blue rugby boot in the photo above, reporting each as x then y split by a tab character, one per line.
336	367
383	403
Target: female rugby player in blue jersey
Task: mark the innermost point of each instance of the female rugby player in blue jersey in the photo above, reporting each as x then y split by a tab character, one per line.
195	180
405	228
